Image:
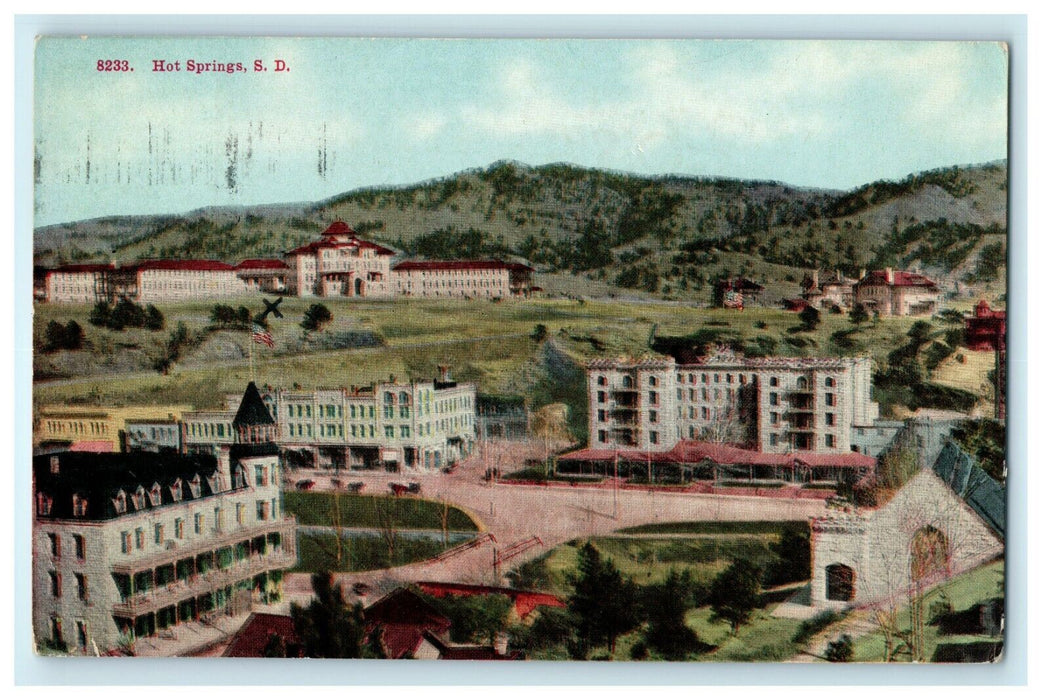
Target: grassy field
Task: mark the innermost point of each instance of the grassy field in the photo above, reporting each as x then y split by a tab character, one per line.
484	342
317	552
371	511
962	592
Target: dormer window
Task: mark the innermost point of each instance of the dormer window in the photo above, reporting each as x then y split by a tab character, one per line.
138	499
43	504
194	486
79	506
154	495
176	490
120	502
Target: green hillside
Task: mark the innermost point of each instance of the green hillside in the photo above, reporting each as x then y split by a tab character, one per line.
647	236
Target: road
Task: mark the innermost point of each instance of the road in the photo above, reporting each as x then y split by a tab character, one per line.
555	514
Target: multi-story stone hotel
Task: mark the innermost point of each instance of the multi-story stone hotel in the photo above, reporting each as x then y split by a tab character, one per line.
76	284
774	405
128	545
390	425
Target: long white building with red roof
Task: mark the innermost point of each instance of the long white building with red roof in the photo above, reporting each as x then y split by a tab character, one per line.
464	279
76	284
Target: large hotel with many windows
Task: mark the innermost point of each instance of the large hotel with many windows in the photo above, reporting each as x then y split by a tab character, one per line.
389	425
131	545
773	405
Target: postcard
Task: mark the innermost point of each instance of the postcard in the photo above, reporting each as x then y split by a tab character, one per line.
517	349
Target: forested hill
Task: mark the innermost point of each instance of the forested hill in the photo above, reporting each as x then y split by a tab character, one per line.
601	225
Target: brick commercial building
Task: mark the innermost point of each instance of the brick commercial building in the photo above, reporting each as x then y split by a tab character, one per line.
773	405
390	425
340	264
127	546
58	427
464	279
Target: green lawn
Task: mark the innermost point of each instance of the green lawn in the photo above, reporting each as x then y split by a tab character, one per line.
371	511
962	592
318	552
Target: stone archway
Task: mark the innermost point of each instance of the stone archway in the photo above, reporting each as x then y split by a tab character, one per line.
930	554
841	582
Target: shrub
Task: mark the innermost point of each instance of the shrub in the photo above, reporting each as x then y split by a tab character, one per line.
839	651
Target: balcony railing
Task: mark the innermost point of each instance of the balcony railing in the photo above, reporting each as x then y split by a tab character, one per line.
202	584
218	540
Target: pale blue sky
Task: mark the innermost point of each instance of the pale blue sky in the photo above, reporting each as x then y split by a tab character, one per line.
827	114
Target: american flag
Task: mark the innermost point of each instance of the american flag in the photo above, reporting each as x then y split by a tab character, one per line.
261	336
733	300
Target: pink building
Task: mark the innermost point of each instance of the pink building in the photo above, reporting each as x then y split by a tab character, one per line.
264	275
466	279
177	280
76	284
897	293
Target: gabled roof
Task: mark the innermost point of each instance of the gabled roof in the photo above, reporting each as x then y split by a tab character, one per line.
207	265
99	267
252	409
262	264
900	278
525	602
410	265
251	639
338	235
984	495
404	618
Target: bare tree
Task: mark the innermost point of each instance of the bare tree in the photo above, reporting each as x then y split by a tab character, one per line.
386	518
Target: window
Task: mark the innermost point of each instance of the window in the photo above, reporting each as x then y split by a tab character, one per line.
717	378
406	431
218	518
602	436
653	398
79	506
180	528
387	412
830	399
43	504
176	491
260	475
653	437
628	382
81	586
56	631
262	509
602	415
829	440
653	381
55	543
81	635
653	416
773	440
240	513
56	584
704	378
158	534
154	495
774	418
125	542
601	398
79	547
829	418
405	412
706	413
198	523
774	399
829	382
389	431
140	538
138	499
841	582
120	502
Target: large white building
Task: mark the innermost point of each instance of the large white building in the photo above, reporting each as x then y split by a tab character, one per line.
76	284
391	425
128	545
176	280
774	405
463	279
340	264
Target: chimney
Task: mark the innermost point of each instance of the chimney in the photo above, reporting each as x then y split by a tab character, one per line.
888	276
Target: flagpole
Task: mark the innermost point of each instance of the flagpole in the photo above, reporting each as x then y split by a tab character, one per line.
251	352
